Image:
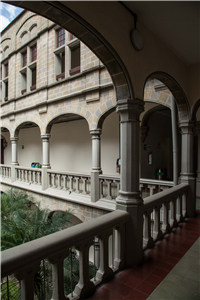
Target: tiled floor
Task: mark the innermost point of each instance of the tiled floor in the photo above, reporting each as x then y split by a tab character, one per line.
168	272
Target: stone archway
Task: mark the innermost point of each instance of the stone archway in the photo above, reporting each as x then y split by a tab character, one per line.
68	19
180	97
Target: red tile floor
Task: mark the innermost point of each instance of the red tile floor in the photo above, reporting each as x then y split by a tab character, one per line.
139	283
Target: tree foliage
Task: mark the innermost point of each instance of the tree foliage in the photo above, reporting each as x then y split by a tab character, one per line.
23	220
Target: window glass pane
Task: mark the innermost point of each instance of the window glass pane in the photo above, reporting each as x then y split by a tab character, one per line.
75	57
60	37
34	53
24	59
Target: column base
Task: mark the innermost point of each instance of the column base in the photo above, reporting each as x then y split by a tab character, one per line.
133	232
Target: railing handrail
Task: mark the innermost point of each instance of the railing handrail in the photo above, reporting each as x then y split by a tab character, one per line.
165	195
68	173
6	166
29	169
156	182
30	253
109	177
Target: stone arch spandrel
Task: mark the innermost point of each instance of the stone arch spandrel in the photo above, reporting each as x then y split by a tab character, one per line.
22	121
59	112
68	19
5	124
180	97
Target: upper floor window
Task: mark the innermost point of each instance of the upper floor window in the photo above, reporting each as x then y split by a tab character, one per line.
33	53
24	59
60	37
6	70
72	36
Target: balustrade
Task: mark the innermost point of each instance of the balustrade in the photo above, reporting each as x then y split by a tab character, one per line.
24	260
72	182
29	175
5	171
163	212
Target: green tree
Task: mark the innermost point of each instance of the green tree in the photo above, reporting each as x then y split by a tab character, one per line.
23	220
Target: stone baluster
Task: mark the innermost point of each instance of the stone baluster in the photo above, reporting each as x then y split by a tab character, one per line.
25	176
49	175
184	204
109	197
65	182
166	225
26	276
77	185
59	181
119	260
104	272
101	188
70	183
54	180
180	209
157	232
148	239
84	285
34	177
151	187
84	192
58	276
173	222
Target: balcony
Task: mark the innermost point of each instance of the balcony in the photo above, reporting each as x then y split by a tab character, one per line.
163	213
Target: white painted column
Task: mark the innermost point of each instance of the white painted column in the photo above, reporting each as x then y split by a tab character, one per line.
46	160
96	164
174	140
197	129
14	162
129	198
187	175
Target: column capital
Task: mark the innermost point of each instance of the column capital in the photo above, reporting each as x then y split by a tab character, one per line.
186	127
45	136
14	139
96	132
130	109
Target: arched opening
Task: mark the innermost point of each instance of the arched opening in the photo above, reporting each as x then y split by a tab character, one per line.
5	146
68	19
174	88
70	144
29	144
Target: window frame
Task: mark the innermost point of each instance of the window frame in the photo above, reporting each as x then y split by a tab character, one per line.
60	33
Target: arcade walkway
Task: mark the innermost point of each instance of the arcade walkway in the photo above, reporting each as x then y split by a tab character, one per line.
171	270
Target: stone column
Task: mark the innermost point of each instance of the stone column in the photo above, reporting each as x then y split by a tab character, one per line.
96	164
197	130
14	162
46	160
129	198
187	175
174	141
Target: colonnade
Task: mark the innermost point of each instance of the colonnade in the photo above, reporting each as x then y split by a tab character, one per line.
129	198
